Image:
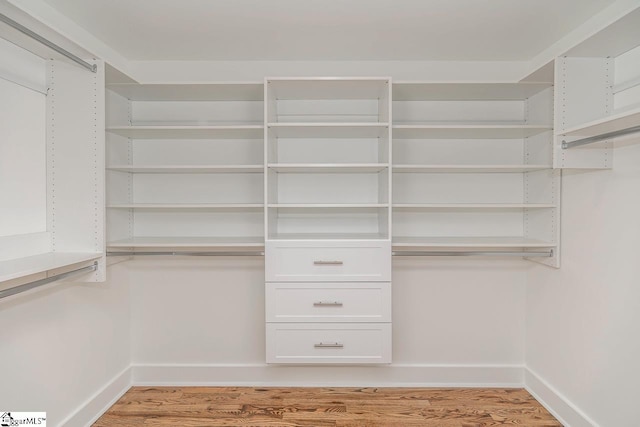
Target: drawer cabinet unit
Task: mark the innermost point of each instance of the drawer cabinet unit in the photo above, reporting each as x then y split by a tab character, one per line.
328	220
328	343
339	261
328	302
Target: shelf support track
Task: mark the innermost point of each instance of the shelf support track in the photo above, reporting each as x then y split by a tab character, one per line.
24	30
187	253
592	139
548	254
37	283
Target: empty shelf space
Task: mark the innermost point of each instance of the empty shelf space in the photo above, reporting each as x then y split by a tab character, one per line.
468	168
467	131
328	167
468	242
189	206
26	266
328	130
614	123
327	88
189	242
190	132
500	206
423	91
163	169
224	91
327	205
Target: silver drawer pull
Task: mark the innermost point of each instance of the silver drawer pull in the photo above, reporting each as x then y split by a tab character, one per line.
329	345
327	304
328	262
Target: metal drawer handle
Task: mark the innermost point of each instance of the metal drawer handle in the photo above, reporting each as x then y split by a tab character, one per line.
327	304
328	262
329	345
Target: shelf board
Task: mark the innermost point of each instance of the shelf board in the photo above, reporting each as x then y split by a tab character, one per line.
189	242
328	167
328	236
467	131
469	242
190	132
26	266
189	206
317	88
500	206
327	205
611	41
615	122
223	91
468	168
328	130
163	169
473	91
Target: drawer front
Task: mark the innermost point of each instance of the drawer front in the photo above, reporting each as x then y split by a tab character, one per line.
328	302
359	261
328	343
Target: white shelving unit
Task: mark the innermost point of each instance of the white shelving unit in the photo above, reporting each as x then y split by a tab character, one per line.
472	166
328	220
185	166
68	167
598	96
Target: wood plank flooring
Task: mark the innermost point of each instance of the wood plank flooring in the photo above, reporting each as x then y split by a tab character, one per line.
319	407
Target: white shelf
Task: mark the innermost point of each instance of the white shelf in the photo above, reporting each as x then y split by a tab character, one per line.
327	205
189	206
224	91
189	242
315	88
615	122
328	167
190	132
22	267
430	206
328	130
468	168
612	41
163	169
480	91
467	131
328	236
469	242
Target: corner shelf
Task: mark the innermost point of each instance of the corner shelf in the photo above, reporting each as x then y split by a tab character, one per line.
43	263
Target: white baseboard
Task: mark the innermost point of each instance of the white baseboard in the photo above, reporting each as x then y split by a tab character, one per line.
395	375
98	404
555	402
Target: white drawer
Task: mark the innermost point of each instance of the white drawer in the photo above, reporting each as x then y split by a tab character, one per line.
329	343
334	261
328	302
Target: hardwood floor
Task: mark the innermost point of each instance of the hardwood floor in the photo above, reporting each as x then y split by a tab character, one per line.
406	407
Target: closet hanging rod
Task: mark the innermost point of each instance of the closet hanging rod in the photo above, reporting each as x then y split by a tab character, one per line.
600	137
37	283
24	30
548	254
188	253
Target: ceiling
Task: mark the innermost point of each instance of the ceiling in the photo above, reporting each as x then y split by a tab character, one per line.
504	30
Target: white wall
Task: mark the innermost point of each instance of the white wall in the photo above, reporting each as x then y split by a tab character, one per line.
583	320
60	345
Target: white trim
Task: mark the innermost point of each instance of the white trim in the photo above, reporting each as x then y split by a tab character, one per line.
263	375
555	402
96	405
